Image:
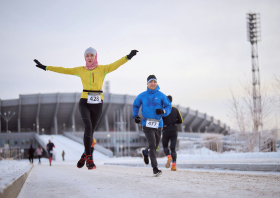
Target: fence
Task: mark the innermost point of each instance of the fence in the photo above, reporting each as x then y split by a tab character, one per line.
11	153
264	141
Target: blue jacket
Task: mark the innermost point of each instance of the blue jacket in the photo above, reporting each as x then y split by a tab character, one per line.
150	101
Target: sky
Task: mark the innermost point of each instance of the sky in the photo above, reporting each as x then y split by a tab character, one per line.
198	50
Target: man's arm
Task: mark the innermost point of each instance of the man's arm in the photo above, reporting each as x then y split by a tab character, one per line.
179	117
136	106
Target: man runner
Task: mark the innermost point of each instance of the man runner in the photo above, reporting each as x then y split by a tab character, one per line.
170	133
155	105
50	147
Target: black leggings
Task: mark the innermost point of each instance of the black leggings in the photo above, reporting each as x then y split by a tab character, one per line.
90	114
172	136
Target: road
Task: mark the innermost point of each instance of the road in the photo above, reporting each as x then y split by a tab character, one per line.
65	180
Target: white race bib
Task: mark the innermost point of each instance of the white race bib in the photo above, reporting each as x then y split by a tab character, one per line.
94	98
51	151
152	123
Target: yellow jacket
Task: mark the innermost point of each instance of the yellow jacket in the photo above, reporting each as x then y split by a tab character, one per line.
91	79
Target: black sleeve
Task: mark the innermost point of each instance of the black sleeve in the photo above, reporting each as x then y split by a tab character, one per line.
179	117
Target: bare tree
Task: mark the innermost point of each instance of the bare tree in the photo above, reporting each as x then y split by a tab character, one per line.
243	113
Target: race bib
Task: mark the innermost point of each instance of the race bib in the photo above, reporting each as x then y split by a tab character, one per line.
152	123
94	98
51	151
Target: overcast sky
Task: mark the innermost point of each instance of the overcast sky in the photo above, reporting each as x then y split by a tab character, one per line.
196	49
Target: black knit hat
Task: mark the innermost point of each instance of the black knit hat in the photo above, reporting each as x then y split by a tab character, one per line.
151	77
170	98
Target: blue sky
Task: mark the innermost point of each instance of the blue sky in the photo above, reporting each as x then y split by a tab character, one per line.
197	49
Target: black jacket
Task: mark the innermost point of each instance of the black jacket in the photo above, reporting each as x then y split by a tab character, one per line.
170	121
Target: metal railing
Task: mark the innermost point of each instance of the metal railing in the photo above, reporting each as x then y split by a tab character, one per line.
264	141
11	153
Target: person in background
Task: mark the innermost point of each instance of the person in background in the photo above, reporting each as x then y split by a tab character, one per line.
39	152
31	154
170	133
63	154
50	147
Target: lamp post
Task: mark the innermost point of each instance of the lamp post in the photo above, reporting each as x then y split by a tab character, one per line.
43	131
7	117
108	135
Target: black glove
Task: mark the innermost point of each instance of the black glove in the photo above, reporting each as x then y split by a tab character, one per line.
132	53
160	111
137	119
40	65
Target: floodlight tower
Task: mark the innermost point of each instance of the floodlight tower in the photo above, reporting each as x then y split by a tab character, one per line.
253	35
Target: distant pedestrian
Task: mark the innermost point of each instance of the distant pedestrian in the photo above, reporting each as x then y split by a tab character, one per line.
170	133
63	154
155	105
31	154
39	152
50	147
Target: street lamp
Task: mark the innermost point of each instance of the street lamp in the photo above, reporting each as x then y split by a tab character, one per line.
108	135
43	131
33	126
7	117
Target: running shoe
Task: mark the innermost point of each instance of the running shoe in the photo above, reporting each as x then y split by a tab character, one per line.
145	156
90	163
81	162
173	168
169	160
156	172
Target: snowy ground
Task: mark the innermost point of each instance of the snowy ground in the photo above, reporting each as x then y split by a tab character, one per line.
10	170
73	150
65	180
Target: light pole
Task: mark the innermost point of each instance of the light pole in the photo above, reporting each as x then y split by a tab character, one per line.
7	117
108	135
43	131
33	126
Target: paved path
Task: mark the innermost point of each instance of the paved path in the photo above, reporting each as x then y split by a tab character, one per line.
113	181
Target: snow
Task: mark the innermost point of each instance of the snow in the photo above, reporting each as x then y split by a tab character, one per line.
113	181
73	150
10	170
205	153
64	180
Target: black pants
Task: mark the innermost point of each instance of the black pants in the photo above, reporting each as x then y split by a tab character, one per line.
31	158
172	136
90	114
153	138
39	157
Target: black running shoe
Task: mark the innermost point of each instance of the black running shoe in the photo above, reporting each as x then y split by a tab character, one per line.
145	157
157	172
81	162
90	163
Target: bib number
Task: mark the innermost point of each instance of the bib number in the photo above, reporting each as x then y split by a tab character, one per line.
51	151
152	123
94	98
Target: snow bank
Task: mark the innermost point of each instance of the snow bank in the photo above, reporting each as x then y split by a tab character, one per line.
10	170
205	153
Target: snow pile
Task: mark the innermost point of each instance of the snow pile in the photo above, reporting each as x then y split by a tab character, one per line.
73	150
205	153
10	170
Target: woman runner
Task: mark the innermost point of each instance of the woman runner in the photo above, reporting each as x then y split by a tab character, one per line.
92	76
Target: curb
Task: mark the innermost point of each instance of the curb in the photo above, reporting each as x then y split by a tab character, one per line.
13	189
238	167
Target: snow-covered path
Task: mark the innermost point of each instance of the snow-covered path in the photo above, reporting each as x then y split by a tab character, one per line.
111	181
